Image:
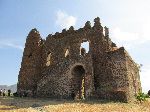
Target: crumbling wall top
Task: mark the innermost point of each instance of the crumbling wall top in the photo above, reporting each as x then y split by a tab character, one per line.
86	28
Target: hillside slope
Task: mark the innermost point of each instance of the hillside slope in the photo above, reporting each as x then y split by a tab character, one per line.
13	88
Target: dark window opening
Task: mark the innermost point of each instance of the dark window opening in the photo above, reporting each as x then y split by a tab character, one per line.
78	90
78	70
30	55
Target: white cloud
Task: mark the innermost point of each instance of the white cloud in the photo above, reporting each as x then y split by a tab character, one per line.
15	46
131	39
145	32
145	78
4	44
124	36
64	20
126	39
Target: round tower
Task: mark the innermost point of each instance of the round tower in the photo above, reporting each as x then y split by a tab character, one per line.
31	64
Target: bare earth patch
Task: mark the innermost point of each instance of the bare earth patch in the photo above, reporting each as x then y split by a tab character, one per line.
11	104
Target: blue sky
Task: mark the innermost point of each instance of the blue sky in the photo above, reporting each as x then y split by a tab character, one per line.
128	21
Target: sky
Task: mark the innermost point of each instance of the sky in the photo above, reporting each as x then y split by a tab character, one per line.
128	22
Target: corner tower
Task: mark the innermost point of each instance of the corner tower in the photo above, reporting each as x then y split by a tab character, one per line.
31	63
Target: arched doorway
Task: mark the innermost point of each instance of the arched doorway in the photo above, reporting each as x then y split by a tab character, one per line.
78	89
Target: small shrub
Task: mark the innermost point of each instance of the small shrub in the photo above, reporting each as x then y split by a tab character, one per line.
142	97
147	96
148	93
15	94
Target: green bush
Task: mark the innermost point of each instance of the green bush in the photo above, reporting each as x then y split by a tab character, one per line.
147	96
142	97
148	93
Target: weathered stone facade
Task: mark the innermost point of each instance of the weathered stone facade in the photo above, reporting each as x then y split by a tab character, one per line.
58	67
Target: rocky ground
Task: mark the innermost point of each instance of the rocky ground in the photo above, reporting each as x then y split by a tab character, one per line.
11	104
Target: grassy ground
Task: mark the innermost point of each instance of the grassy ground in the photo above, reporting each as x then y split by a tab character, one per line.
11	104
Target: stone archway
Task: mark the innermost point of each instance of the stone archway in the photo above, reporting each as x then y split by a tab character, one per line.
78	86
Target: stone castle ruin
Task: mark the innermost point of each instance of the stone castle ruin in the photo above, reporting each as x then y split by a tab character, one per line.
59	67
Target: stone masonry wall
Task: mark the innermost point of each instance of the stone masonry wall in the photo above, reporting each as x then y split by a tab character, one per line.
58	67
60	84
133	77
113	82
31	63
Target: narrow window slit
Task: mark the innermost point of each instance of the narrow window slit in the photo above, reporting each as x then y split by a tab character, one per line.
48	59
67	53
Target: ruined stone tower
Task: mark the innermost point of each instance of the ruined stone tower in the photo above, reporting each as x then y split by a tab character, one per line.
59	67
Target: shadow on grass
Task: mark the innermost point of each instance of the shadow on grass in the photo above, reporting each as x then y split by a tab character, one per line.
99	101
11	103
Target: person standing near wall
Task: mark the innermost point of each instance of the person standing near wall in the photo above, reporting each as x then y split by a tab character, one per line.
1	91
9	91
4	92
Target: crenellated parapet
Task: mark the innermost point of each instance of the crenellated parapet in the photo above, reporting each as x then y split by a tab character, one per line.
87	27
